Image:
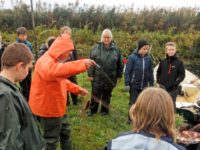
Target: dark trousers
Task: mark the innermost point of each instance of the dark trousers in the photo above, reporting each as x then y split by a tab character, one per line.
173	94
73	96
100	94
25	86
134	93
55	130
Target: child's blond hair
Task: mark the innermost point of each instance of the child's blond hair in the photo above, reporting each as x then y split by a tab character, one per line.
154	112
170	44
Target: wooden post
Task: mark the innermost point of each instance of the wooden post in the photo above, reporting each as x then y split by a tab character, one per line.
34	32
32	15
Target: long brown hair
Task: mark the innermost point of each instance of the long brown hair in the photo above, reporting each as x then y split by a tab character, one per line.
154	112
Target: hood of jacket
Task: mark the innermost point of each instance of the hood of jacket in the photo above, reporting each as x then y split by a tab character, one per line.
61	46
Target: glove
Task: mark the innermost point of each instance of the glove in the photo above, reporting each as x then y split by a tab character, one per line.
127	88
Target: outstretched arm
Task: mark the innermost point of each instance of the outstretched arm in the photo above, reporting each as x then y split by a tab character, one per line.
62	70
75	89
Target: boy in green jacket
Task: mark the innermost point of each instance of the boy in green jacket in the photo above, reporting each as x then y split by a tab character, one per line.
18	128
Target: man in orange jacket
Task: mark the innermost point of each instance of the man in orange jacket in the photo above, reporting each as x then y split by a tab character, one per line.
48	90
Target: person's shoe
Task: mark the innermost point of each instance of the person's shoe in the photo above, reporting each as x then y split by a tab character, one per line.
104	113
129	122
74	103
90	114
68	102
66	145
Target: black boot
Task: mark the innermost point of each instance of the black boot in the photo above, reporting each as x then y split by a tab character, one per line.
65	145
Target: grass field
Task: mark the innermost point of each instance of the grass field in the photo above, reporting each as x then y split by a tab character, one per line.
92	133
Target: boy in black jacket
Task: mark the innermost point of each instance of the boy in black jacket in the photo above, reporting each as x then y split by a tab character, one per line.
171	71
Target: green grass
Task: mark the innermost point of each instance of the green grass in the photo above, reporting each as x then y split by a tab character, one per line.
88	133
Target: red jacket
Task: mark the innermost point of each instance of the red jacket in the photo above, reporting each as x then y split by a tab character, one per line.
49	84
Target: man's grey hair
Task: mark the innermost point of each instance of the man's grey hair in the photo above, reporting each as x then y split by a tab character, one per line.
106	31
66	28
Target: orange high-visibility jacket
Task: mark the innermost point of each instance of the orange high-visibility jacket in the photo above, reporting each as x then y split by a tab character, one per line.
49	84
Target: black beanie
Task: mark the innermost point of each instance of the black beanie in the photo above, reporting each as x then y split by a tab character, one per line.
142	43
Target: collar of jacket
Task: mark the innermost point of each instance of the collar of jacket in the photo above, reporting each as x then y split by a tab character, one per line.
111	46
9	83
171	58
138	54
25	42
165	138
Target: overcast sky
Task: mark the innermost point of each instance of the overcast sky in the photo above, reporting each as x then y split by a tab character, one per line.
137	3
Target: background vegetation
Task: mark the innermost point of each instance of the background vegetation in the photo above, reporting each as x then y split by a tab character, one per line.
158	25
100	17
187	42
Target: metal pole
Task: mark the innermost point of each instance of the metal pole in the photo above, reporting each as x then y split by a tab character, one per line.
32	15
34	32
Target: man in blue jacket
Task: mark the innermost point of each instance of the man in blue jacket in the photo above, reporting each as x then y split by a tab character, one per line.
139	71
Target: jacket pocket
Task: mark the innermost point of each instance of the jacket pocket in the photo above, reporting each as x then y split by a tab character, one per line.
137	76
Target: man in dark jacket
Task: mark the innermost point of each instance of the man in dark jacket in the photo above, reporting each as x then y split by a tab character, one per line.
107	55
171	71
2	48
45	47
139	71
26	83
18	128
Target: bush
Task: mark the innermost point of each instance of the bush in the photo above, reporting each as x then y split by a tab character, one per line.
84	39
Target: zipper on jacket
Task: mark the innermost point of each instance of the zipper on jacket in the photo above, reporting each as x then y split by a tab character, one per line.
169	68
132	78
143	65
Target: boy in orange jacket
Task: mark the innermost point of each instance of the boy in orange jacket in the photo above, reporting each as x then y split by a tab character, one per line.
48	90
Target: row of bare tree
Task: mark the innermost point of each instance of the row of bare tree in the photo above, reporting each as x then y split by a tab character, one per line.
99	17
